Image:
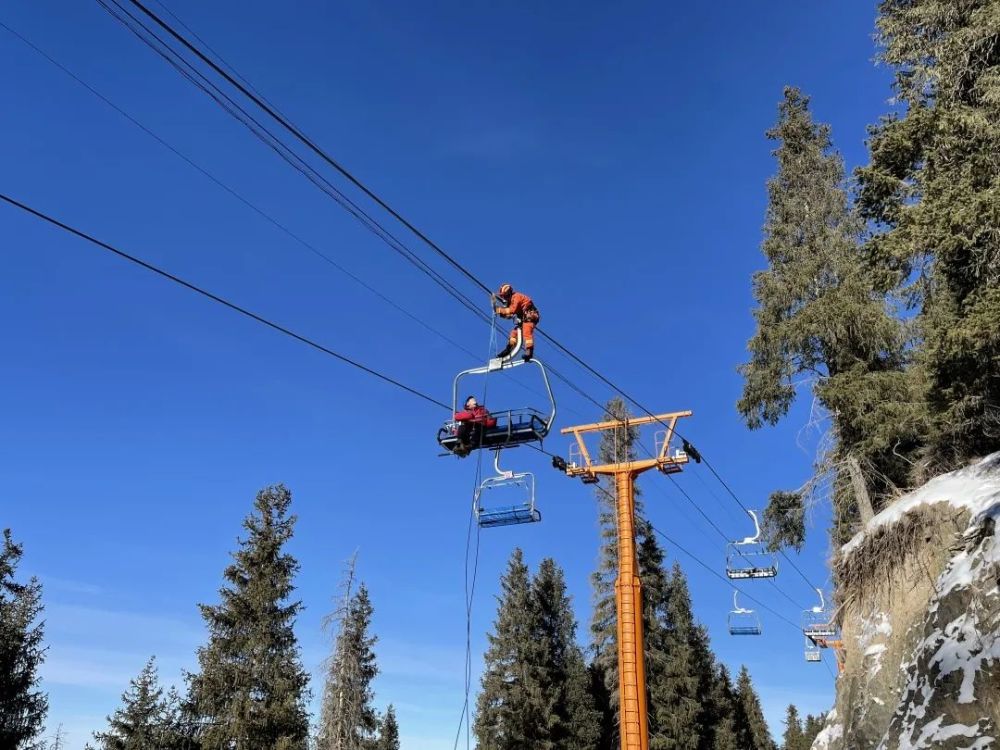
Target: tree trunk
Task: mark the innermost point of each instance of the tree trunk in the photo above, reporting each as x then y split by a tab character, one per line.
861	495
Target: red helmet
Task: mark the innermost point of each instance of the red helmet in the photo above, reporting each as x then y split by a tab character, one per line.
506	291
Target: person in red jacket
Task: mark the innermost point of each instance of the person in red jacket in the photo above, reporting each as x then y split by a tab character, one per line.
471	424
511	304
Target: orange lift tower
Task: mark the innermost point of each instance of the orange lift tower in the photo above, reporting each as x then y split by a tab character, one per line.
628	591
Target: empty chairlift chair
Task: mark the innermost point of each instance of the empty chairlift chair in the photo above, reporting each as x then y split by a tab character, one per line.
742	621
812	651
512	427
817	622
750	558
517	492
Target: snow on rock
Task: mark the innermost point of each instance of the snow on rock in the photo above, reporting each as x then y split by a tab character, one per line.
975	488
922	632
828	737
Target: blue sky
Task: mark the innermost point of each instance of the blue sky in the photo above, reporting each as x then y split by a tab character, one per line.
610	160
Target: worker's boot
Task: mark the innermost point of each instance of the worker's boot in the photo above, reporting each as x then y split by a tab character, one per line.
528	354
505	351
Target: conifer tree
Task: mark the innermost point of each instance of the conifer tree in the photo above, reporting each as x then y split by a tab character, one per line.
822	316
22	704
619	445
348	720
388	737
146	719
674	698
508	710
721	708
931	191
751	727
793	737
571	715
251	689
813	726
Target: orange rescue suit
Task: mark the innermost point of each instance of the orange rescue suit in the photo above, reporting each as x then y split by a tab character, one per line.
525	311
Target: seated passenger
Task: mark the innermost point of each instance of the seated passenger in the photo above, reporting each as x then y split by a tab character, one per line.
471	424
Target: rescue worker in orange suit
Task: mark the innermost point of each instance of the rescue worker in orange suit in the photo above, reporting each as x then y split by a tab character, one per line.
511	304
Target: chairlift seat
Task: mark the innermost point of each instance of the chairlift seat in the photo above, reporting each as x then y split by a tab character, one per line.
508	516
820	630
513	427
749	561
744	630
813	656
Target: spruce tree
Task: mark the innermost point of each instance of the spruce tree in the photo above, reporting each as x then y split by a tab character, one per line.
793	737
822	316
146	719
251	689
751	727
509	708
22	704
619	445
674	698
813	726
570	717
722	712
932	192
388	737
348	720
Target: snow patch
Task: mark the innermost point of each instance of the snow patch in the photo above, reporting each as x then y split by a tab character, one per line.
934	733
975	488
828	735
875	654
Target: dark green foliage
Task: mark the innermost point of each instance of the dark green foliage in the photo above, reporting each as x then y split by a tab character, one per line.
348	720
785	521
822	314
146	719
22	704
388	737
606	710
572	714
751	728
813	726
535	688
931	192
251	682
721	713
793	738
675	700
508	705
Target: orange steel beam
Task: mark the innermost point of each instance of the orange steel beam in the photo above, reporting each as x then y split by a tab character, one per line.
632	710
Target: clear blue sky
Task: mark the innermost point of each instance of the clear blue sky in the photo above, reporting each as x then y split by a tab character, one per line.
610	160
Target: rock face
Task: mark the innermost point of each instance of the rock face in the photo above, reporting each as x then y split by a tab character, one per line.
918	592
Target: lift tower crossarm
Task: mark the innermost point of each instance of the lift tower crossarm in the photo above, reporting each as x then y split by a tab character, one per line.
628	590
662	460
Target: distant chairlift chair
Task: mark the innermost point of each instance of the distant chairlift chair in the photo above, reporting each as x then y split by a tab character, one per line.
742	621
520	485
817	622
812	651
750	558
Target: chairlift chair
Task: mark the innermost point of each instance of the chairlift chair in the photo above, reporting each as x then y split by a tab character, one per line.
742	621
817	622
513	427
750	558
812	652
520	485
